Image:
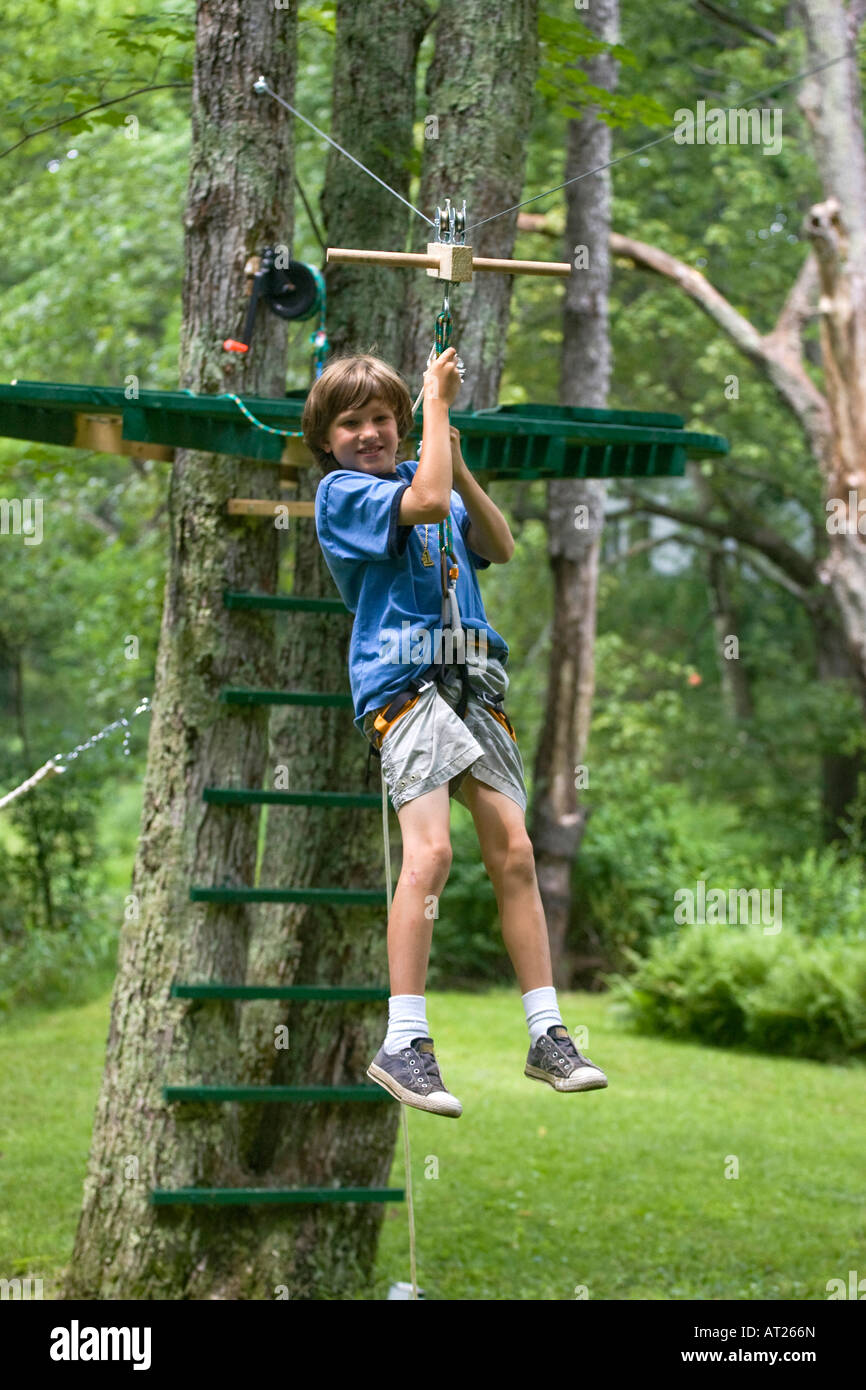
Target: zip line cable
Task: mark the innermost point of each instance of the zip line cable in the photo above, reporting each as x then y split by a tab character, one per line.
261	85
776	87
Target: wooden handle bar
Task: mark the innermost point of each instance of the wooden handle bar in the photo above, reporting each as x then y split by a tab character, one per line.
342	255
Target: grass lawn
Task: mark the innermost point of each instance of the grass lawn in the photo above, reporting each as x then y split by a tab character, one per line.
621	1191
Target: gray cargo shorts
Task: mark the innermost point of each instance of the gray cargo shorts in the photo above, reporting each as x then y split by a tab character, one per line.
429	744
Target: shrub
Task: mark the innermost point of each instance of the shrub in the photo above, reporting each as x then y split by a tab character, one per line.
729	986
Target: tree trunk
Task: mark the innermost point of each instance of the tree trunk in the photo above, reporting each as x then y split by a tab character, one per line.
238	198
329	1251
575	518
736	690
840	770
479	96
479	101
375	73
837	229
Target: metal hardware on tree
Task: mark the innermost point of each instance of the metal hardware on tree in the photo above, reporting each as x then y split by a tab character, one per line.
294	291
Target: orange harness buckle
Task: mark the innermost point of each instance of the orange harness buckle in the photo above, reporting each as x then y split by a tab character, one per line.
503	720
382	725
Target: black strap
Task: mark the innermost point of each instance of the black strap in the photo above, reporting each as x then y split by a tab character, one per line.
434	673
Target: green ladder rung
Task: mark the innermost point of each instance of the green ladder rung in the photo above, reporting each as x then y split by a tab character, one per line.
258	1094
215	991
239	696
248	1196
201	894
231	796
233	598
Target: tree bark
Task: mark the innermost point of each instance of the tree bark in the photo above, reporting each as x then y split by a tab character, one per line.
479	103
736	689
372	310
575	517
830	100
238	198
479	97
840	770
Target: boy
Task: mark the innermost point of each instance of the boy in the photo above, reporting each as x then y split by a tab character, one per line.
376	521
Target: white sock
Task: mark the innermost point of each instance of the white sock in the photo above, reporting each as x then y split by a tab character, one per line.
542	1011
406	1020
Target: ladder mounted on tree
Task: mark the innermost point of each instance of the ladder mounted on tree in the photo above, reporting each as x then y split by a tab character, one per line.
231	796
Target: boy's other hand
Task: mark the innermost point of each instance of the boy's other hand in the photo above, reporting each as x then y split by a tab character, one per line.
442	379
458	463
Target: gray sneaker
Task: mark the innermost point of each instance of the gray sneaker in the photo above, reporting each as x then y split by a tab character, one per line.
412	1075
555	1059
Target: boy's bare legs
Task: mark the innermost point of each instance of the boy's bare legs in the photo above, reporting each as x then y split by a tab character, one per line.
509	860
425	825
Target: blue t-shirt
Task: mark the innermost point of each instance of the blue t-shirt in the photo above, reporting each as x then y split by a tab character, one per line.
397	600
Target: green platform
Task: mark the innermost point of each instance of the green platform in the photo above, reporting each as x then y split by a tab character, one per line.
507	441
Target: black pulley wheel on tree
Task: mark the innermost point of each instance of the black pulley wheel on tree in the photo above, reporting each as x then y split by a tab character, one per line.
293	293
296	291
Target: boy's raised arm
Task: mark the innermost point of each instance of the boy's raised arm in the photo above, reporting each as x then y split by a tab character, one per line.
428	499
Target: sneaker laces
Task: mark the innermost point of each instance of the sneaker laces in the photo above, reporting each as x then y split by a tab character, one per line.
429	1063
568	1049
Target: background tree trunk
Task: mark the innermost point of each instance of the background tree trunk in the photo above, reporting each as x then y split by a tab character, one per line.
575	517
830	100
736	688
841	770
239	198
479	100
833	422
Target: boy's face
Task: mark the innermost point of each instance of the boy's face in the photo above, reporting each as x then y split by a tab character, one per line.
365	439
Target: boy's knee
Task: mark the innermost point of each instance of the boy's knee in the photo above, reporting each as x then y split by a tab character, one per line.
429	858
516	860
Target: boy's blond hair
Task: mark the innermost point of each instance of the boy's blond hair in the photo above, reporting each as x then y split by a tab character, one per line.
348	383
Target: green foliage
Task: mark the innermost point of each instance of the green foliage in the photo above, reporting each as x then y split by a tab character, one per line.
148	51
729	986
57	967
322	17
565	88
